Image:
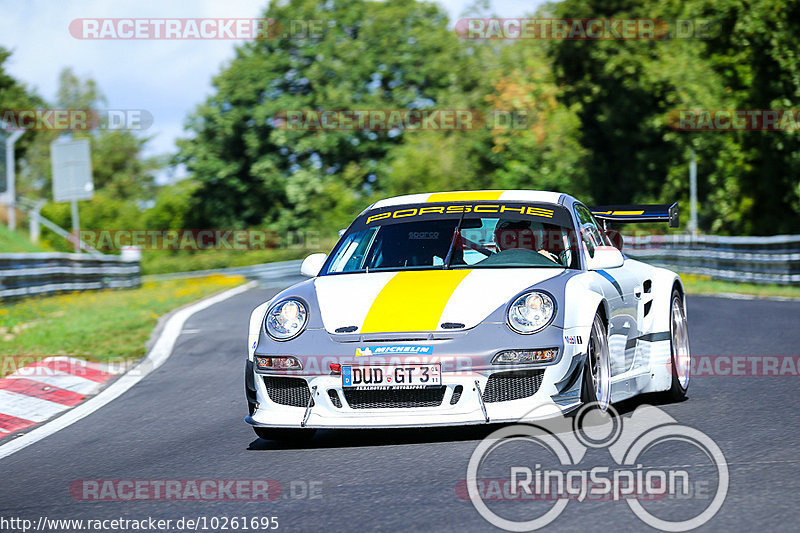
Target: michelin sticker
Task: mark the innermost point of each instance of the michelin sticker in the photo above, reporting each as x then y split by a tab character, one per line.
366	351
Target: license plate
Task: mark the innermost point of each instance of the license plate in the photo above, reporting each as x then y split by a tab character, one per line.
392	376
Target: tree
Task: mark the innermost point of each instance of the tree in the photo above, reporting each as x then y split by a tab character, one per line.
14	95
626	90
539	147
366	55
756	54
123	178
118	166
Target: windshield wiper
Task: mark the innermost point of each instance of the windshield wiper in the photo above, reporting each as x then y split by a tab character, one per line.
456	233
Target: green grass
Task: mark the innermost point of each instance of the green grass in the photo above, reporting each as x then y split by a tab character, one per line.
695	284
103	326
12	242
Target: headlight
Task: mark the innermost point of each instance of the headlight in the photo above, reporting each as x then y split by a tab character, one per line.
531	312
519	357
286	319
278	363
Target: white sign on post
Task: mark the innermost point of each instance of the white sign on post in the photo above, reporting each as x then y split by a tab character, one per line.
72	177
72	170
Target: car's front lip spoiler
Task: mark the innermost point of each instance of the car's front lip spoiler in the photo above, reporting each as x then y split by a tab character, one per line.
444	423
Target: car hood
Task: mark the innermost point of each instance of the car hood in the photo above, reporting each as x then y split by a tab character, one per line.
384	302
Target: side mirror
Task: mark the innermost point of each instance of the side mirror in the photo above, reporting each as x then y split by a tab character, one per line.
312	265
604	257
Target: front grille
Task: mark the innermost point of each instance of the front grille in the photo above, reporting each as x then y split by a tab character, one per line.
288	391
506	386
395	398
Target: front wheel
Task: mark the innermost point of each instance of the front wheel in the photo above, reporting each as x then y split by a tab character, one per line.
680	356
596	387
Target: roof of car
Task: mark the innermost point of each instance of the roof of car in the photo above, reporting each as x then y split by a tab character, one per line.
470	196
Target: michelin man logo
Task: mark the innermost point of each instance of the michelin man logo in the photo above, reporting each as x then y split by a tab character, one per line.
363	352
566	441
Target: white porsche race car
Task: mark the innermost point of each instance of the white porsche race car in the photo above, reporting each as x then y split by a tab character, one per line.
467	308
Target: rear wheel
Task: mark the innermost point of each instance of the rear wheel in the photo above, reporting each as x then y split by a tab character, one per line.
597	368
680	356
285	434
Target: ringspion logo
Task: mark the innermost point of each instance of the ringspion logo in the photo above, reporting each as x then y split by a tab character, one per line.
556	468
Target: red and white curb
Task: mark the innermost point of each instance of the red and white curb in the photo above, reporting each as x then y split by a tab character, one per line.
44	389
156	357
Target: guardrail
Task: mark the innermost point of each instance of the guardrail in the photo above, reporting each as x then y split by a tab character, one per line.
35	274
264	271
749	259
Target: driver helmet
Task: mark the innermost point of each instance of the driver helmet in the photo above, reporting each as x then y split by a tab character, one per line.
510	234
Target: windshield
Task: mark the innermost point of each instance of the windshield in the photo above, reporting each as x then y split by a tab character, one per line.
426	237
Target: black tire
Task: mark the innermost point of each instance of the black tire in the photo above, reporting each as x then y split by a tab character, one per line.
596	385
679	348
285	434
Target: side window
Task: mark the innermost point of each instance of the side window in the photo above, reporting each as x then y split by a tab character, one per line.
350	255
591	235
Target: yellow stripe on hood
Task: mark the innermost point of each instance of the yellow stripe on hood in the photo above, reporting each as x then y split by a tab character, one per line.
412	301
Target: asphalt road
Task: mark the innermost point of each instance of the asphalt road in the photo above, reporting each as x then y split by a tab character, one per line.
184	421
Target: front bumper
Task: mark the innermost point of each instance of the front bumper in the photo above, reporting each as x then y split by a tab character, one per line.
497	394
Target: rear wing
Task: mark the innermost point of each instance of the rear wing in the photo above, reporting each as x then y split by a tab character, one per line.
638	213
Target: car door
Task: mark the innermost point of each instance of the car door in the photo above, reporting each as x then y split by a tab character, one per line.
620	286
